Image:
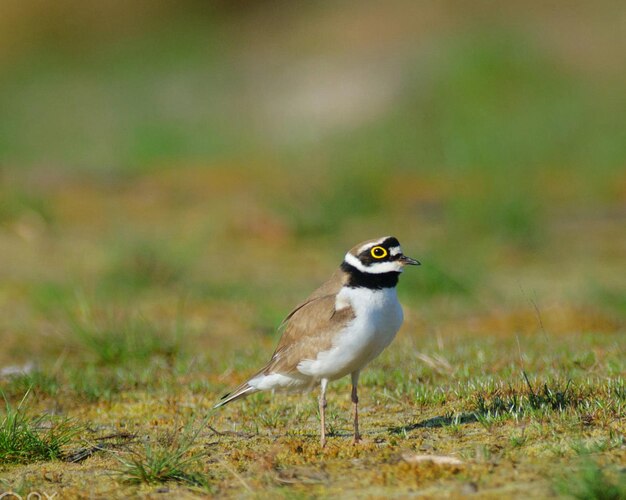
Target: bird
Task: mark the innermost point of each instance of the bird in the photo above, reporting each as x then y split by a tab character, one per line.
338	329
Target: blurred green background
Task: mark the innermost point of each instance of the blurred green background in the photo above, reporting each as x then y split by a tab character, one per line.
226	155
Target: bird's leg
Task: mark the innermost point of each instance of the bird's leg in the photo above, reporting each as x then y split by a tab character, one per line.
322	403
355	401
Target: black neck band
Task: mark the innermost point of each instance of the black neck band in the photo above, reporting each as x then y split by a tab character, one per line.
359	279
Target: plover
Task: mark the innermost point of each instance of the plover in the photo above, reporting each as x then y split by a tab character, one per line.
338	329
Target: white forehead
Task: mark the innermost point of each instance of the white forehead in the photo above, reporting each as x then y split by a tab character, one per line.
372	244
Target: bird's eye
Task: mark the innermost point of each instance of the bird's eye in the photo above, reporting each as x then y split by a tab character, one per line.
378	252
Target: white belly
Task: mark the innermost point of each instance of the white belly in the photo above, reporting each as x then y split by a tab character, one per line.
378	317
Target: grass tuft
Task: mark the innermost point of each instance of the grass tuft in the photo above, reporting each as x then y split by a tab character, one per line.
27	439
592	482
171	457
515	402
37	381
553	398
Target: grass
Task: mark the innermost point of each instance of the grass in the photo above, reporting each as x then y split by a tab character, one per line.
26	438
16	205
170	458
591	482
111	338
36	382
488	416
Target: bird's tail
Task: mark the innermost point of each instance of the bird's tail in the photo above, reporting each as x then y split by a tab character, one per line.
242	391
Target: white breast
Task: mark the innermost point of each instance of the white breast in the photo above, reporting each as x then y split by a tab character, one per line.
378	317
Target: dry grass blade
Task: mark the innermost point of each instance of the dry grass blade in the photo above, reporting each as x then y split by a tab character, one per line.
435	459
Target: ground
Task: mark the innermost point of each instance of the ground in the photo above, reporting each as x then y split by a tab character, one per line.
126	344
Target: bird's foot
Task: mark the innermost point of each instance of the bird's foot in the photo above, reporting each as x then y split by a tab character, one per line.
363	441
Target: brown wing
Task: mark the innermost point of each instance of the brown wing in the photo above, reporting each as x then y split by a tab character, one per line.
310	327
331	287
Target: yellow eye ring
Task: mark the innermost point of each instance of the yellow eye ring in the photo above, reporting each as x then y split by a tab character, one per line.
378	252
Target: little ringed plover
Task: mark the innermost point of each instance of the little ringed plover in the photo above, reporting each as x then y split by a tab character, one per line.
339	328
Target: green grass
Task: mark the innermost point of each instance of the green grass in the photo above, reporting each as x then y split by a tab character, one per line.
117	339
141	269
591	482
39	383
556	398
495	100
435	281
173	456
26	438
16	204
485	415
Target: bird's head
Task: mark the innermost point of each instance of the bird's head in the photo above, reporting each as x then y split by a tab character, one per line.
382	255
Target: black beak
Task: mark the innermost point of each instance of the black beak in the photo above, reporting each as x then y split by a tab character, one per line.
409	261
